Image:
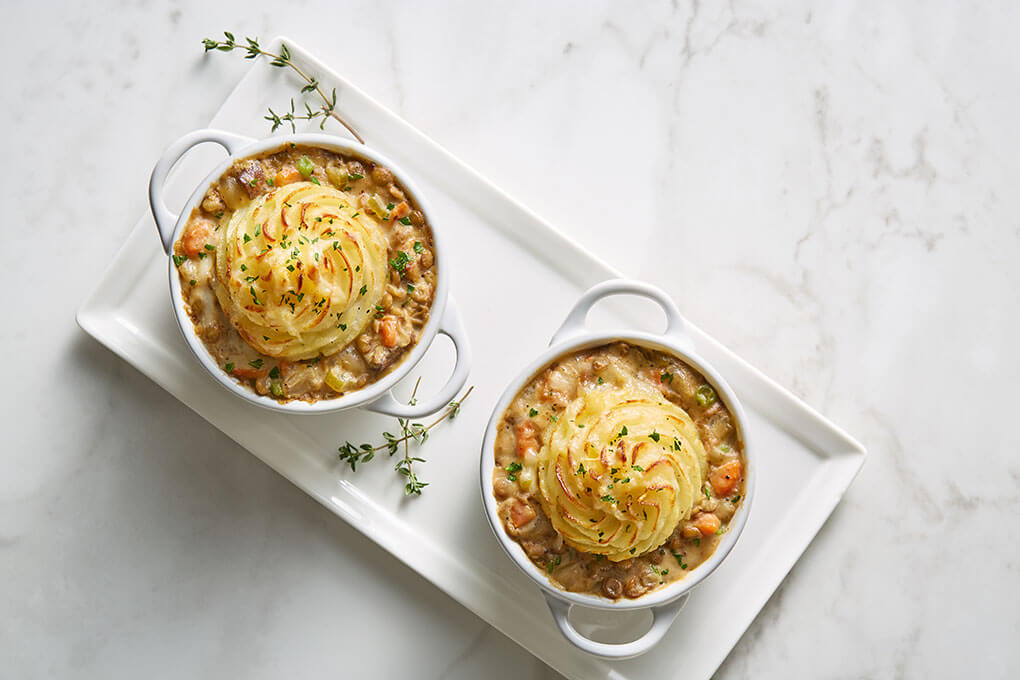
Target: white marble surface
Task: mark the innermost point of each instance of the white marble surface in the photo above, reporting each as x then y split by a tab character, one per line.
828	188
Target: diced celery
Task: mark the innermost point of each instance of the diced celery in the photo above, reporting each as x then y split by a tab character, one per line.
377	206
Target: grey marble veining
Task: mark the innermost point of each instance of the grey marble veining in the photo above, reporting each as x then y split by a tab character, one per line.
828	188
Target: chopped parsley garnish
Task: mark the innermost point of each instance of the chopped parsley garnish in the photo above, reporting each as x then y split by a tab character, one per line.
623	432
704	490
405	221
179	260
418	247
554	563
193	282
357	176
343	326
247	239
608	499
511	471
255	363
390	206
244	267
229	367
679	557
533	412
638	468
735	498
274	372
601	380
553	418
580	469
364	289
697	541
666	377
313	180
209	246
654	436
399	262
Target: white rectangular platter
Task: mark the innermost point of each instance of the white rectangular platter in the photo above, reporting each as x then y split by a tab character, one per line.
806	463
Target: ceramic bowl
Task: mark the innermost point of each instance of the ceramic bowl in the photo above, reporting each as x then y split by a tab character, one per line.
666	602
374	397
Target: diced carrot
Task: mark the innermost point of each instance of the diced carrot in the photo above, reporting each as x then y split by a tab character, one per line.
521	513
402	210
706	523
288	174
725	478
196	238
247	373
388	330
527	437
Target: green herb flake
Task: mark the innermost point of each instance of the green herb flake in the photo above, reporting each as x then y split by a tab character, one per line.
418	247
229	367
405	221
274	372
179	260
209	246
654	436
255	363
399	263
533	412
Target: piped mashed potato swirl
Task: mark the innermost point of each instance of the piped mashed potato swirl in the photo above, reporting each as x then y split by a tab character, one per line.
300	270
620	469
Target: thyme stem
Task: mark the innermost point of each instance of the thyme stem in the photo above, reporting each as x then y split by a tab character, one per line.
409	431
328	106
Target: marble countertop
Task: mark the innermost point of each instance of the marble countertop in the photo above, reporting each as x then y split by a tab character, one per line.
828	188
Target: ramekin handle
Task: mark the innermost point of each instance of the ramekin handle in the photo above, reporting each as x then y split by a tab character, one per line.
662	618
166	220
452	327
574	324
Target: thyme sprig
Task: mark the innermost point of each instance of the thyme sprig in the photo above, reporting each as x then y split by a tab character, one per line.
409	432
252	49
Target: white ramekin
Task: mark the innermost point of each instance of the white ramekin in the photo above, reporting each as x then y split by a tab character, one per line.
375	397
666	602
